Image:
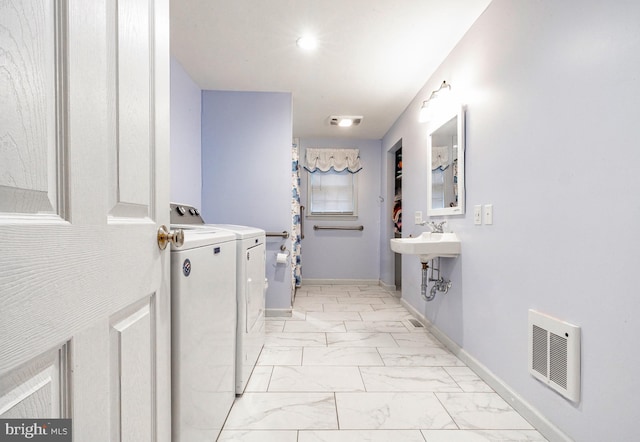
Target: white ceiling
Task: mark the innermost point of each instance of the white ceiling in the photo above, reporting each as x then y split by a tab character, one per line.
373	55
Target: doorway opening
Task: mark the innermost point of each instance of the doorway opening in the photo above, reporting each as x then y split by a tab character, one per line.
396	214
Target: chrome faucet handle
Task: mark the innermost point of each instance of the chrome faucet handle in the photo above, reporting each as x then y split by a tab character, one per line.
437	227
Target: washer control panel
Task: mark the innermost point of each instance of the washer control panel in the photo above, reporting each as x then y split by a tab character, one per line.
185	214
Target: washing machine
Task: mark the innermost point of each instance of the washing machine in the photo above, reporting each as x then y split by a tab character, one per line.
203	319
251	287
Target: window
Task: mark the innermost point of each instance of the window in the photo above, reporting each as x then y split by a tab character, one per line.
437	188
332	193
332	185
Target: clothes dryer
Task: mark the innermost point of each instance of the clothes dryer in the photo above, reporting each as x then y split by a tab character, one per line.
251	285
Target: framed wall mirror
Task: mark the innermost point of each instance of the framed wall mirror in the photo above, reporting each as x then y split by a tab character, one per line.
445	156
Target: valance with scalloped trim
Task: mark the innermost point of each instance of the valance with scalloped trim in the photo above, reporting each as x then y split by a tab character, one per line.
336	159
440	157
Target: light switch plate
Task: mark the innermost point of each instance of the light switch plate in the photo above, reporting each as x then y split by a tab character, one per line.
477	215
418	217
488	213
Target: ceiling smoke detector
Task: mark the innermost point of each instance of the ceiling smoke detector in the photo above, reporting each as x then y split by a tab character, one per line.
345	120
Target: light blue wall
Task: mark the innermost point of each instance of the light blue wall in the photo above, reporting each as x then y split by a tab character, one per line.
246	171
350	255
552	136
185	170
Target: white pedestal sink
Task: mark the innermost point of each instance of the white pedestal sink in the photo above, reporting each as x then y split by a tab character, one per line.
429	245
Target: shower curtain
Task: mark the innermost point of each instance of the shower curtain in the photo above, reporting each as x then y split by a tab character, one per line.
296	272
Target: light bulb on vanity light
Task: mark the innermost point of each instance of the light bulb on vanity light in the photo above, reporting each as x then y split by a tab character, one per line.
443	91
425	112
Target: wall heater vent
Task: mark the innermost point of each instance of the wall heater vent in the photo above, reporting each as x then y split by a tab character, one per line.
554	354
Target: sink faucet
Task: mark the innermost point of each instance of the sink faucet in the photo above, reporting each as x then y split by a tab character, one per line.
437	227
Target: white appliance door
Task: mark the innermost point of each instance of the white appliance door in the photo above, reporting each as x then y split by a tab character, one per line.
254	294
204	340
85	312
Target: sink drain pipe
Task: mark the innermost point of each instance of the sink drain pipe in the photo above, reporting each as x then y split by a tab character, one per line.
425	281
439	284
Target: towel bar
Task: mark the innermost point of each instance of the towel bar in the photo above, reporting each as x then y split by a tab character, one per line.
284	234
316	227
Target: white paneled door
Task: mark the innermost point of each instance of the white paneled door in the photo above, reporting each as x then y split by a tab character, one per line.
84	290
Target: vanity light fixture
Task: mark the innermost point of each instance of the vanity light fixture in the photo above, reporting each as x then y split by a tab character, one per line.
345	120
427	106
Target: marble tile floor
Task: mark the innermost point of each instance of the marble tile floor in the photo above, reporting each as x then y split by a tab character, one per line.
349	366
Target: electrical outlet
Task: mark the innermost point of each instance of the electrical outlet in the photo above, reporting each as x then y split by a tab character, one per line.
418	217
477	215
488	213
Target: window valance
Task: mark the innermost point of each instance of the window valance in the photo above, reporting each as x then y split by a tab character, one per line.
326	159
440	157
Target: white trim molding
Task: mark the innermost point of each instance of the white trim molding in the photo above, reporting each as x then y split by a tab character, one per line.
339	282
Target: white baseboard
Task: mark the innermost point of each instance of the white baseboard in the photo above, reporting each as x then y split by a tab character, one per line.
532	415
277	312
387	287
339	281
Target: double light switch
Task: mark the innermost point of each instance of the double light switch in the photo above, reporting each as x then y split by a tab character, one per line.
480	212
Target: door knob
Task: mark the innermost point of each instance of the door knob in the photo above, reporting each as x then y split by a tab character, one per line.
165	236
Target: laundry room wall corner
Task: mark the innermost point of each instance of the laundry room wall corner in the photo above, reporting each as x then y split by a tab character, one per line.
186	144
246	172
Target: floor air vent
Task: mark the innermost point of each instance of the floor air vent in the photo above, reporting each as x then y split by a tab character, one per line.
554	354
415	323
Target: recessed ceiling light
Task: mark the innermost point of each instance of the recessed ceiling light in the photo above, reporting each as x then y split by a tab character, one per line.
307	42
